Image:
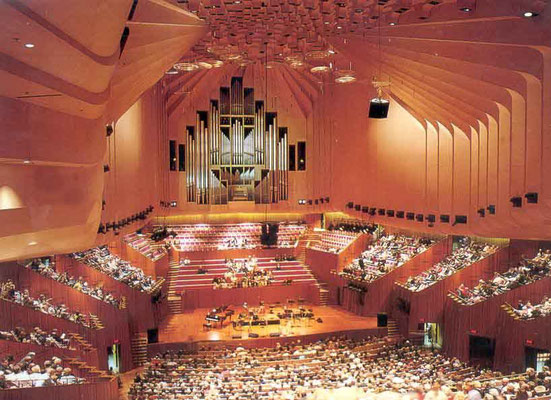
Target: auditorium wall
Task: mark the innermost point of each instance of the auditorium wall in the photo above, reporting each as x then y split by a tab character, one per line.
467	127
55	100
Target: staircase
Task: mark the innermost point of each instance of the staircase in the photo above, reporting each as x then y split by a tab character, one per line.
96	322
157	287
83	344
392	330
174	266
86	371
175	304
138	347
324	294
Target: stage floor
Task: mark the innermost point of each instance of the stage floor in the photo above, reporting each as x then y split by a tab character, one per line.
188	327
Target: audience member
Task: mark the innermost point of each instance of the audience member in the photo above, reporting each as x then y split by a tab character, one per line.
101	259
296	371
527	272
47	269
29	373
466	254
38	336
44	305
386	254
527	310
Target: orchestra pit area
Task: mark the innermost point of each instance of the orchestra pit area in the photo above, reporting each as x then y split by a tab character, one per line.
275	200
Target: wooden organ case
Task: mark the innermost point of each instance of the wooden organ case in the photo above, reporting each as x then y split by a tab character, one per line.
236	151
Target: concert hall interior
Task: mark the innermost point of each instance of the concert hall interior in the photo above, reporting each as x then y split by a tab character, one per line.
275	199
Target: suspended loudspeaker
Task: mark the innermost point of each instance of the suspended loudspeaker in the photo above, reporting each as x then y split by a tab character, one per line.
378	108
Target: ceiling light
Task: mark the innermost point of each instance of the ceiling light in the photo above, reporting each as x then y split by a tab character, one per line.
529	14
339	27
326	22
33	243
26	161
392	23
465	9
216	63
331	51
171	71
204	65
345	76
320	69
186	66
29	45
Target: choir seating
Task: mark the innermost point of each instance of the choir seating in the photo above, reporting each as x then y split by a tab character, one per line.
145	246
334	241
208	237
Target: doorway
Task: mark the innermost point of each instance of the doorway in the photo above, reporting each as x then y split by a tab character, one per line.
481	351
433	335
537	358
113	358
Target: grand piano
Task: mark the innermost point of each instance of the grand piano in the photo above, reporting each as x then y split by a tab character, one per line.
219	315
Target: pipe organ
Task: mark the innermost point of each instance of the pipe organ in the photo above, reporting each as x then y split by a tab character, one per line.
237	151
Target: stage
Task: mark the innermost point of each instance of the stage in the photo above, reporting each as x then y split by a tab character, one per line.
186	330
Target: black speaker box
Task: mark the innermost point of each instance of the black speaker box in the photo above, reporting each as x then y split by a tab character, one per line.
236	337
378	108
253	335
382	320
275	334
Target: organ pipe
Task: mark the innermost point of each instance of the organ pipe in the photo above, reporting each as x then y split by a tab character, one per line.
236	141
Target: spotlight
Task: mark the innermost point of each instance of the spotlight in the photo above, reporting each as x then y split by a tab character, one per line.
327	199
357	207
445	219
106	168
350	205
316	202
491	209
431	218
381	211
400	214
365	209
108	130
173	204
516	201
390	213
309	202
392	23
481	212
465	9
531	198
410	216
529	14
29	45
419	217
372	211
